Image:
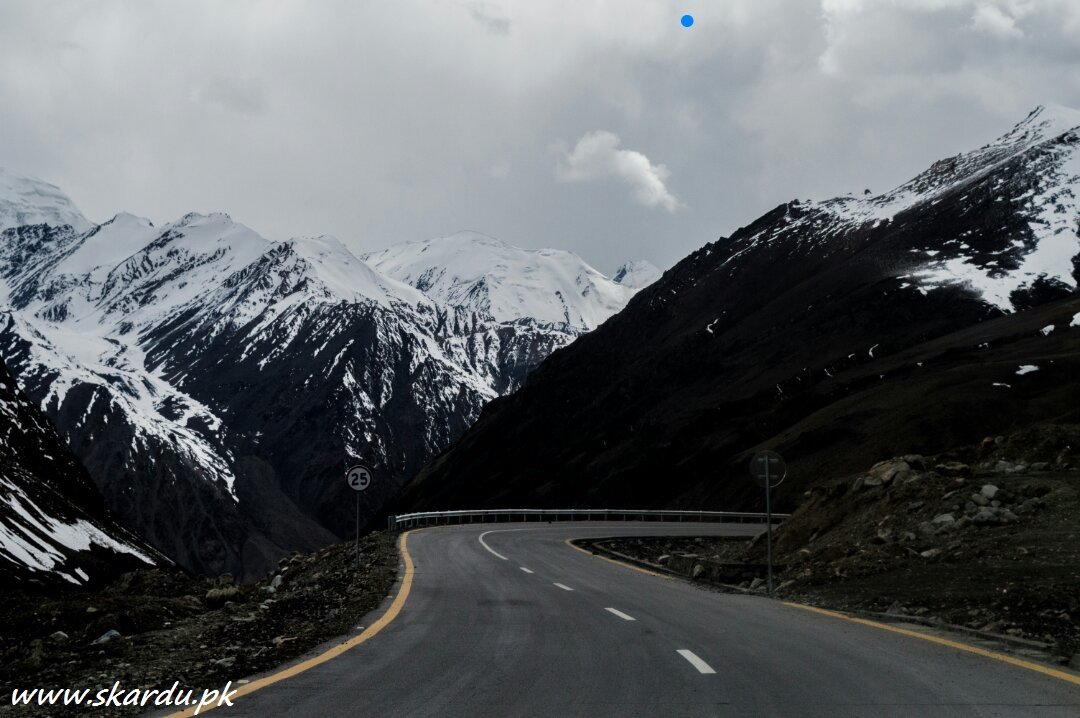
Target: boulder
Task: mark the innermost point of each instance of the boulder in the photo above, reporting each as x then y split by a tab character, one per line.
218	596
931	553
984	517
896	609
277	581
58	637
915	461
697	570
989	491
942	520
110	635
885	472
1030	505
953	468
980	500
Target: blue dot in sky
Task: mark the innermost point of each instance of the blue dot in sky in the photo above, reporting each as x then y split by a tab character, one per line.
687	20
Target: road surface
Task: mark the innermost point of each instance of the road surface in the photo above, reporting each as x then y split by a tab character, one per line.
520	624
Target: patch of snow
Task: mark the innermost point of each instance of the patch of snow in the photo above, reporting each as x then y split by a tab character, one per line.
1026	369
31	538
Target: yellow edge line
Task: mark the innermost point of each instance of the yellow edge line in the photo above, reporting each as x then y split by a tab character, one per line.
1019	662
331	653
617	562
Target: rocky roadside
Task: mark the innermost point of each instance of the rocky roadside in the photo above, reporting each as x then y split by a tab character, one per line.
986	538
151	628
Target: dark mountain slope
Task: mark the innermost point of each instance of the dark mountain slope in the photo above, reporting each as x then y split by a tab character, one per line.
53	525
805	331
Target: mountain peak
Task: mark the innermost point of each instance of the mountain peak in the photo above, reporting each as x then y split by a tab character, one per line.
504	282
636	274
1050	120
26	200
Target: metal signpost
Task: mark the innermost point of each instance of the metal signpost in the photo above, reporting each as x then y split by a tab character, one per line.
769	469
359	478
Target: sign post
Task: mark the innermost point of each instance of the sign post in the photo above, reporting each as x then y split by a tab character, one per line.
359	478
769	469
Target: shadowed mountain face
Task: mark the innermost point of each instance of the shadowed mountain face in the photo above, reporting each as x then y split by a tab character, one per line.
837	332
53	525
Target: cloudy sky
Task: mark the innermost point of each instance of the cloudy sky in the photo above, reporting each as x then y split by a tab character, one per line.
601	126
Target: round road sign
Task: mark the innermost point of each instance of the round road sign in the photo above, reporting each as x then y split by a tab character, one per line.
359	478
768	463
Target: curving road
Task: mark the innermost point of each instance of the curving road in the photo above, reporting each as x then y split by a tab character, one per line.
520	624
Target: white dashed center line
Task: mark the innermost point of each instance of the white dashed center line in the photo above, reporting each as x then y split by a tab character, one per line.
564	587
620	614
696	662
526	570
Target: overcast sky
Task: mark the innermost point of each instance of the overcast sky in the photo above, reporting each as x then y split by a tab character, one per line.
600	126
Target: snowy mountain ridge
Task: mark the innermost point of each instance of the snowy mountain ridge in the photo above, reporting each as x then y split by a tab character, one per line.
1020	258
184	363
505	283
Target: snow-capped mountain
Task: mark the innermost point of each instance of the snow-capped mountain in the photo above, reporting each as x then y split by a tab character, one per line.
215	383
25	200
838	332
505	283
53	526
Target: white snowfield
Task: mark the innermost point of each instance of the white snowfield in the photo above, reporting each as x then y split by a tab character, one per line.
503	282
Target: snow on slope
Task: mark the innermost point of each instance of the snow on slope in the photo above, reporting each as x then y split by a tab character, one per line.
506	283
1046	142
42	527
24	200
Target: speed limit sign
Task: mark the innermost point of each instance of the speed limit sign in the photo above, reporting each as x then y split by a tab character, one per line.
359	478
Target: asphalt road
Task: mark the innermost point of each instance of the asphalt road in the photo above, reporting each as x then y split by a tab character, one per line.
528	626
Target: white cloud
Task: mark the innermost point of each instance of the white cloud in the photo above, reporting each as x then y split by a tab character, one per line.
598	156
384	122
995	22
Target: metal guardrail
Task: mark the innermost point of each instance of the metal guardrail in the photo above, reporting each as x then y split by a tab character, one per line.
436	518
